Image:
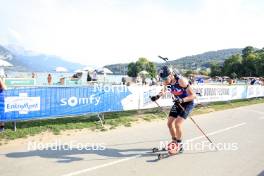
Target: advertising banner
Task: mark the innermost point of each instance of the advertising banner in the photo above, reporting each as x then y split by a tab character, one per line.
44	102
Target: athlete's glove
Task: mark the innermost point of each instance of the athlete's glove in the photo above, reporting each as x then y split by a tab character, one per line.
178	100
154	98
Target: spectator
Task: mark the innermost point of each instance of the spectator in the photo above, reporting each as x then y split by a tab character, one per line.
144	82
89	77
253	81
123	80
231	81
62	81
262	81
2	87
49	79
33	75
200	80
94	76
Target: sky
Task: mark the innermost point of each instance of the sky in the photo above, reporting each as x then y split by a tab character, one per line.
101	32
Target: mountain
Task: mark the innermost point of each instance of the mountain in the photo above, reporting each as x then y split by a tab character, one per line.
24	60
199	61
5	54
203	60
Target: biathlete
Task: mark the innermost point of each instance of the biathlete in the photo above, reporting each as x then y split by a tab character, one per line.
183	103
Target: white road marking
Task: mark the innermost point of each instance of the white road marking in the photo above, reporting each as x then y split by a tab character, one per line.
216	132
139	155
101	166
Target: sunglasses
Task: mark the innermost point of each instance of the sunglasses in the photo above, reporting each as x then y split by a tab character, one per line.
165	79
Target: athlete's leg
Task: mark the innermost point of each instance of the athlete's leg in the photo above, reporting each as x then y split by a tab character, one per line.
171	126
171	121
183	114
178	126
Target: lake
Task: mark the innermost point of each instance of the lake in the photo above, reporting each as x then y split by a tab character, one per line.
41	77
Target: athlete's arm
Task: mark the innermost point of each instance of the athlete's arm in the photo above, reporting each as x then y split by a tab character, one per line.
191	94
163	90
160	94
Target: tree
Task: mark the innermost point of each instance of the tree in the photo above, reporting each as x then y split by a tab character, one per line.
151	69
260	63
260	67
203	72
132	70
188	73
232	66
249	64
140	65
246	51
233	75
216	69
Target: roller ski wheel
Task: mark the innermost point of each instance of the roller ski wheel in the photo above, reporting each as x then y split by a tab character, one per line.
160	156
154	150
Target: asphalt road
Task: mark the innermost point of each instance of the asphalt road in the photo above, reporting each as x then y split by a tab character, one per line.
238	133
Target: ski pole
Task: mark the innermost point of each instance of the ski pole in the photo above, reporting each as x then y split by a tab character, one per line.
161	108
193	122
203	132
196	124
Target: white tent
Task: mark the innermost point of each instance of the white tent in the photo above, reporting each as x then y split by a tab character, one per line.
88	68
61	69
104	70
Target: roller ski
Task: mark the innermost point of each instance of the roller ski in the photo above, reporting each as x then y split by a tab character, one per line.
156	150
172	148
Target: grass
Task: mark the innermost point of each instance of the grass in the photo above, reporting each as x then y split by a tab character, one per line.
111	121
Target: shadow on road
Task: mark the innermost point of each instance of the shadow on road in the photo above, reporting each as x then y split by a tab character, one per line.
185	153
67	156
